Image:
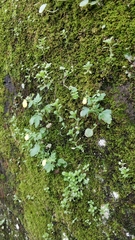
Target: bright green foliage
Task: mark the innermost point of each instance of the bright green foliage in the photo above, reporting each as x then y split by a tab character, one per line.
52	162
74	191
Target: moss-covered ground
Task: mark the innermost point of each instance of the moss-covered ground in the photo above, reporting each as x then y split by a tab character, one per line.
68	37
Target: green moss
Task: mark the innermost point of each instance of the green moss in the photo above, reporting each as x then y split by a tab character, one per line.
86	29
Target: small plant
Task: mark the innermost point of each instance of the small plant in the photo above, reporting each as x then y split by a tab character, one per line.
110	43
92	209
74	131
93	106
74	92
130	73
123	170
87	67
76	182
42	45
50	163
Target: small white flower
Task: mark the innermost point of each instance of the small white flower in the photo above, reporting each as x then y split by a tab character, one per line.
24	103
26	137
102	142
44	162
84	101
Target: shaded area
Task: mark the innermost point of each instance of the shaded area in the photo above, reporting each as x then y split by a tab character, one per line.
10	211
9	93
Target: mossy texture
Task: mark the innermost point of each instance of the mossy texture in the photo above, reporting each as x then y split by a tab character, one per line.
69	37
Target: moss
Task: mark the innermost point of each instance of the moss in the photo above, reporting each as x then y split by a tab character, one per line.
86	29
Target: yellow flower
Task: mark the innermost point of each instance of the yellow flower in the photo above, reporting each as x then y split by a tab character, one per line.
24	103
44	162
26	137
84	101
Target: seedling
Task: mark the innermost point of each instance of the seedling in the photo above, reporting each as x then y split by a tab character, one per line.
110	43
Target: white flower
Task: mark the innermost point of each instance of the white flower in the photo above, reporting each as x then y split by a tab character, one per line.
44	162
27	137
84	101
24	103
102	142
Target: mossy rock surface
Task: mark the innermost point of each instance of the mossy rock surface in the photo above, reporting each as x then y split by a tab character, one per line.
68	37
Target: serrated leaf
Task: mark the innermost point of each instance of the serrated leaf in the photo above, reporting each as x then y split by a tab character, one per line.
35	119
84	3
106	116
49	167
88	132
84	112
128	57
52	158
35	150
42	8
61	161
37	99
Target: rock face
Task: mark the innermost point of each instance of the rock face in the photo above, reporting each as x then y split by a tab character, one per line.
9	93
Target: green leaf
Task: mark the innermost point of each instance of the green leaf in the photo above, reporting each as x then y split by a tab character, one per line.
35	119
84	112
52	158
128	57
88	132
48	108
106	116
35	150
74	92
37	99
61	161
84	3
49	167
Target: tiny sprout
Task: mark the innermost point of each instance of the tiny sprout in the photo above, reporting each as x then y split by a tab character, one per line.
26	137
24	103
